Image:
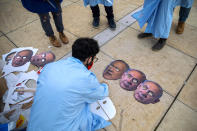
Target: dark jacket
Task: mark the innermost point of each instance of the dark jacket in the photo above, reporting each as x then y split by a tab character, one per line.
41	6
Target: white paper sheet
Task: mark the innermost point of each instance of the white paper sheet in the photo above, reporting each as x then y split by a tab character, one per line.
104	108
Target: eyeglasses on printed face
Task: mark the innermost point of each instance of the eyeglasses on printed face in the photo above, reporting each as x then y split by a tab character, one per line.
145	87
116	68
134	80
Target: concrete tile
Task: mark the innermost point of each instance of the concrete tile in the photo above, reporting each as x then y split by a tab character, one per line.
78	20
108	34
158	66
101	130
65	3
137	27
5	46
192	16
128	20
185	42
137	116
179	118
75	0
188	94
13	15
33	35
128	109
121	8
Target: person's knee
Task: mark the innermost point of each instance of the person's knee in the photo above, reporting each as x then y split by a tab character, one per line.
44	18
57	14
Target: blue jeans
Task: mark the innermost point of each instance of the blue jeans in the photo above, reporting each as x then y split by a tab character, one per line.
46	25
183	14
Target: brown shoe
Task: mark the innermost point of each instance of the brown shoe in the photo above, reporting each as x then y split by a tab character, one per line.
63	38
180	27
54	41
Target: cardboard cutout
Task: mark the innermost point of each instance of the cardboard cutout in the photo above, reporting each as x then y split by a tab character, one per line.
115	70
131	79
17	89
43	58
20	61
148	92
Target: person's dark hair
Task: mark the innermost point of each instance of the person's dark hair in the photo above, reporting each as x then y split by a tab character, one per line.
84	48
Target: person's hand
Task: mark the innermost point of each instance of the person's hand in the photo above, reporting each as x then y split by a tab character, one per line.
104	83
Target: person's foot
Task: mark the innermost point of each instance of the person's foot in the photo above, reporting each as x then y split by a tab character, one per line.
95	22
144	35
63	38
111	23
54	41
159	45
180	27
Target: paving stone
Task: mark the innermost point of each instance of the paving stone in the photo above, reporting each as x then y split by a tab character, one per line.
122	8
137	116
168	67
179	118
188	94
192	18
32	35
74	0
5	46
78	20
65	3
185	42
134	115
13	15
137	27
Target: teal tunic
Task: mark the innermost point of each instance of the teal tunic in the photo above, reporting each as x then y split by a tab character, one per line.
64	92
158	15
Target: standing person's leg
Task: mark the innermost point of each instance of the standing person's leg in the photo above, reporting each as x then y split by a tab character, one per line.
183	15
96	15
159	45
110	16
46	25
57	16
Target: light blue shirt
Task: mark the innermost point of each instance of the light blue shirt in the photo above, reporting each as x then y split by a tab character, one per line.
64	91
159	14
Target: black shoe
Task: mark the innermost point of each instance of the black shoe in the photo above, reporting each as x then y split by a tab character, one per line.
111	23
159	45
144	35
95	22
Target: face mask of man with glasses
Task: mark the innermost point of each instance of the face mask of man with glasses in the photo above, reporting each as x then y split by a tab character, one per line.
115	70
131	79
148	92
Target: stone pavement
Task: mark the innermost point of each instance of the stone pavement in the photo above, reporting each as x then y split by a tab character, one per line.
174	67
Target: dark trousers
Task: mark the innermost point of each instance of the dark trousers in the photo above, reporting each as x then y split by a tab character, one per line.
108	10
46	25
183	14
